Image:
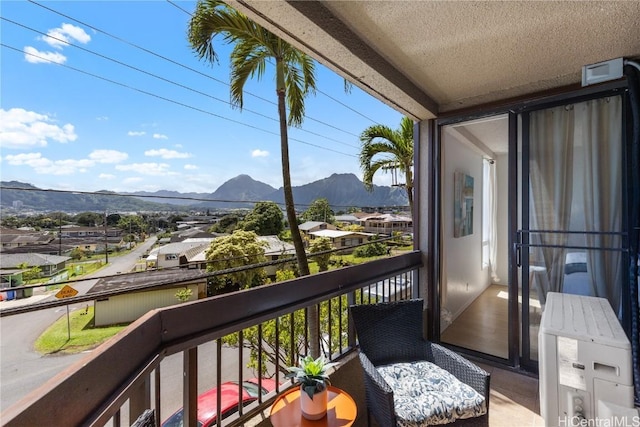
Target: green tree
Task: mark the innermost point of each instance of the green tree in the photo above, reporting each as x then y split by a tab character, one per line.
370	250
241	248
319	210
32	273
227	224
352	227
265	219
386	149
133	224
77	254
290	350
253	49
89	219
321	244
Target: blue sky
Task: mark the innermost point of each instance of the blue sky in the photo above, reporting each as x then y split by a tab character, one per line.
85	122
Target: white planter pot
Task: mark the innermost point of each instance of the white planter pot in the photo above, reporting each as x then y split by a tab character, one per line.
316	408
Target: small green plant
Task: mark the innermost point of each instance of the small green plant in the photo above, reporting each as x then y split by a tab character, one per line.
311	374
184	294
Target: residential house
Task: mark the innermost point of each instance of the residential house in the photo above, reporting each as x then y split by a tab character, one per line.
193	233
387	224
169	255
524	153
276	249
11	238
347	219
346	240
140	293
311	226
50	265
94	232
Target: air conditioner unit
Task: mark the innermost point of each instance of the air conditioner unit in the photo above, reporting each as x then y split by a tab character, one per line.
584	363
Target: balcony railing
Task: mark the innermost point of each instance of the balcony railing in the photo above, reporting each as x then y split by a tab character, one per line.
165	359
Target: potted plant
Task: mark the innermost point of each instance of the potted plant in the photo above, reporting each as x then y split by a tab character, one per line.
314	380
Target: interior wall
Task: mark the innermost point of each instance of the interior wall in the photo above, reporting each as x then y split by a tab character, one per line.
502	178
465	278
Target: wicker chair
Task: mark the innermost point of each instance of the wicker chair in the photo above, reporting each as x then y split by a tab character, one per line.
390	334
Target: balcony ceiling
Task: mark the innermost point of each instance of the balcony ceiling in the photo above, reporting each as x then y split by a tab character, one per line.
428	57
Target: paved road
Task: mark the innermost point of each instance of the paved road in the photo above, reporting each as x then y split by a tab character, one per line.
21	368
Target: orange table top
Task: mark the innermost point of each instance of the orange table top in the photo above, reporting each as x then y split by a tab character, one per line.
341	410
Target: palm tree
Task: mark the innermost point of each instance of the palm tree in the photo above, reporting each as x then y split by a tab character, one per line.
253	49
386	149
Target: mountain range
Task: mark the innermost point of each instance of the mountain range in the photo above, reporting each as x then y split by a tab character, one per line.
341	190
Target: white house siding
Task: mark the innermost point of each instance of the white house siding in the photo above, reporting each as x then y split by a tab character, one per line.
129	307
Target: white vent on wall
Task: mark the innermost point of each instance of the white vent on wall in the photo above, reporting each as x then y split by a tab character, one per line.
602	71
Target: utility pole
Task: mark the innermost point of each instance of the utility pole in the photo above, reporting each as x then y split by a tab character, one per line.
60	234
106	240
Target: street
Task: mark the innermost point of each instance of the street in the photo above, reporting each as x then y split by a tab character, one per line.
21	368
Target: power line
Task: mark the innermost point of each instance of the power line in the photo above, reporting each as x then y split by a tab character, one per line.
346	106
178	63
317	90
172	100
165	79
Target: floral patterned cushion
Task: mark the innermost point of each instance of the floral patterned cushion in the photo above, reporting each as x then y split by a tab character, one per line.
425	394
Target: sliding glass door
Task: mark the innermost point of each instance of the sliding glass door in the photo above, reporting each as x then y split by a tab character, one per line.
572	235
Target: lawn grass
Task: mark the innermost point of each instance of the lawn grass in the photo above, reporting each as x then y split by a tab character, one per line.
84	336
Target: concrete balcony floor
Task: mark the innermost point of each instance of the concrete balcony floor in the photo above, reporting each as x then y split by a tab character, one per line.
515	399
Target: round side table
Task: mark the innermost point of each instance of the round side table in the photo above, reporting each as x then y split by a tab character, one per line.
341	410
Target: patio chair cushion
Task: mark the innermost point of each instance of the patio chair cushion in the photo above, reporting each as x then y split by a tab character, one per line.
425	394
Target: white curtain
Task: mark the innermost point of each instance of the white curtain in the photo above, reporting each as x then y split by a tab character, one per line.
551	186
598	128
493	222
584	138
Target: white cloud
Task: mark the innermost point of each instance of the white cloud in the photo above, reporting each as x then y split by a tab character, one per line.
34	56
102	118
166	154
136	133
190	167
160	136
20	128
178	145
259	153
108	156
42	165
106	176
62	36
132	180
146	168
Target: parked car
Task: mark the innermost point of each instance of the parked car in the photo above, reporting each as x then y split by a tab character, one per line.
207	409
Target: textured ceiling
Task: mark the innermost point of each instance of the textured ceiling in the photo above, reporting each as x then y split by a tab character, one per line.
427	57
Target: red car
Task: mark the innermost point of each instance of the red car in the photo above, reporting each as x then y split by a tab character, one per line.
207	409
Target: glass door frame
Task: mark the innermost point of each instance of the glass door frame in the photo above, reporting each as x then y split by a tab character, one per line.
522	233
514	109
435	230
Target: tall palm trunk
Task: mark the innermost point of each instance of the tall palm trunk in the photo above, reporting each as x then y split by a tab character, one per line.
409	188
301	255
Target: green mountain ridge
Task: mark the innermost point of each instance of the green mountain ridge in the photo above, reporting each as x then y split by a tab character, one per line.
341	190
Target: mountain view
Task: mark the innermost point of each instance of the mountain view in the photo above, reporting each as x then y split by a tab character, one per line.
341	190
